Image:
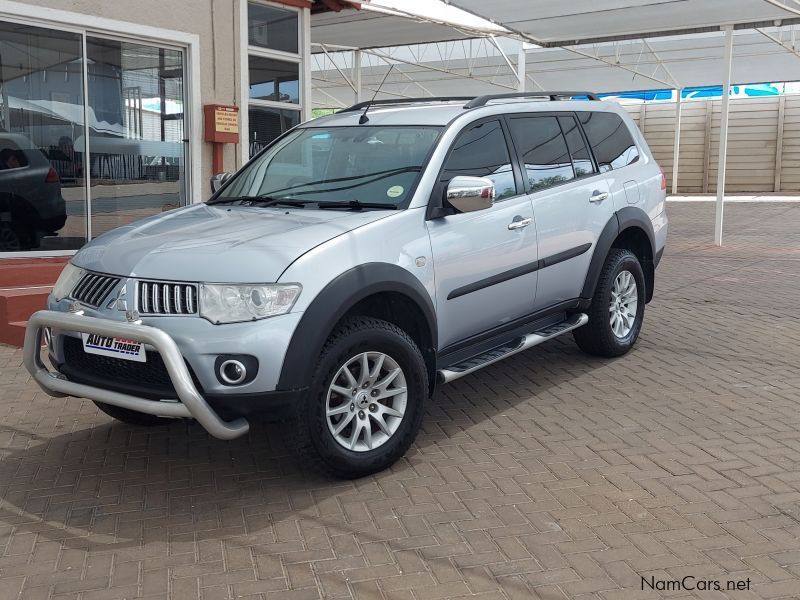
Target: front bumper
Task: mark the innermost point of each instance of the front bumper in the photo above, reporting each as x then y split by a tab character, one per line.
191	403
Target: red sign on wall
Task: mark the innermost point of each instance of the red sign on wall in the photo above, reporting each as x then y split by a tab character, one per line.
221	123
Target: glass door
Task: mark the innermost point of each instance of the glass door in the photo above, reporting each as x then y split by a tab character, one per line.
58	189
42	174
136	130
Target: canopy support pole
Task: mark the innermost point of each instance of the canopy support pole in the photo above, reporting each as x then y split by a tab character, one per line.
521	66
357	75
723	135
677	146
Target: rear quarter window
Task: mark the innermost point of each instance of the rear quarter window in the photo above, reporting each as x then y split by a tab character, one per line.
610	139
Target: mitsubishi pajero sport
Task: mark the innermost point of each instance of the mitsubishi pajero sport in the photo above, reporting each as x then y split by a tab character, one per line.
360	260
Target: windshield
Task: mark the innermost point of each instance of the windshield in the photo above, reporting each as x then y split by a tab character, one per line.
365	164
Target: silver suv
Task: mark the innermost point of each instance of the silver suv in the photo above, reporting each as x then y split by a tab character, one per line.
358	261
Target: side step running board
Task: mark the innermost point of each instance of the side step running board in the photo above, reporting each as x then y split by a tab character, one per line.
515	346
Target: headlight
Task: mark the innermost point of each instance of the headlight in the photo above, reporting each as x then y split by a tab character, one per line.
232	303
67	281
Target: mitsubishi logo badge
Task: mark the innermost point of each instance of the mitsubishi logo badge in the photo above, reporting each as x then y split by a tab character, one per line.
133	316
121	301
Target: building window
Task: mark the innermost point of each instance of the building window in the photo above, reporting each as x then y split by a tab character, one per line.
274	80
274	71
272	27
267	123
65	179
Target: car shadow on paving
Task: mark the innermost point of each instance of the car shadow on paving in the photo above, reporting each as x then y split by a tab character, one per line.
551	474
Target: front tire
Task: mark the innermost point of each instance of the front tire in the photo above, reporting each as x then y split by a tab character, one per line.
365	403
617	309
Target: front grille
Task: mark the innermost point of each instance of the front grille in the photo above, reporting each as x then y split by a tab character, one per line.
160	298
93	288
145	379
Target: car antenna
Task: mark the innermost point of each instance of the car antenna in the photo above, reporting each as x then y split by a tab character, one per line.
364	118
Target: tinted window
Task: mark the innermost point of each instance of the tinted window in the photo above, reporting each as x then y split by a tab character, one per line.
577	147
544	151
482	152
610	139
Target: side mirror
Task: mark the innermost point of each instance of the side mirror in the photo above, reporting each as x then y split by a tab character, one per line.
468	194
217	181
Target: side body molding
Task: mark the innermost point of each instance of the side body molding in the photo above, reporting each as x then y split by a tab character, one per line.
333	302
625	218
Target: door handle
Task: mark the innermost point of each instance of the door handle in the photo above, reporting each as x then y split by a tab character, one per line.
519	223
598	196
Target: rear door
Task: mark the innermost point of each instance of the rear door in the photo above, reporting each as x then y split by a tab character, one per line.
571	200
485	261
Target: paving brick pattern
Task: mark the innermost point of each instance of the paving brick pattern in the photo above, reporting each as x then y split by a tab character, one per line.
551	475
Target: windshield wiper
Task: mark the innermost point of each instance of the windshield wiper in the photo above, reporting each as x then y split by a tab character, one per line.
376	175
259	200
356	205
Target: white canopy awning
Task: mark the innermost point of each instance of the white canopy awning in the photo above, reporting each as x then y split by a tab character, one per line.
478	67
368	28
555	22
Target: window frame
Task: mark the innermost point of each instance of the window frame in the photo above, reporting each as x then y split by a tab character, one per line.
436	201
85	25
247	50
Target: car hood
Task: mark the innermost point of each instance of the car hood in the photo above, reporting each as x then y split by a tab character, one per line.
233	244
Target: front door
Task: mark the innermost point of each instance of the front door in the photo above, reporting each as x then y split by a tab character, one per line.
484	261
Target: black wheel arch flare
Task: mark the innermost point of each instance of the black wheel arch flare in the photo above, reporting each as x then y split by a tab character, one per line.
625	218
333	302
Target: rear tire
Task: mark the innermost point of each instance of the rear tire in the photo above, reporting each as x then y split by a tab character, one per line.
130	417
357	424
617	309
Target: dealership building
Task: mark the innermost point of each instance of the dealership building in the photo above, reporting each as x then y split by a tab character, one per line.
102	105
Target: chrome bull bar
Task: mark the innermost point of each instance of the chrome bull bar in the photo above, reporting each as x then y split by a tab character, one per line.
192	404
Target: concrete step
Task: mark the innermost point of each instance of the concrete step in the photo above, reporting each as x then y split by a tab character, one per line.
13	333
26	272
20	303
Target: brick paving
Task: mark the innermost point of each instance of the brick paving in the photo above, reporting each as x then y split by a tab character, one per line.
551	475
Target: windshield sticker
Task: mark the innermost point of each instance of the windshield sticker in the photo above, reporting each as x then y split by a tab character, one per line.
394	191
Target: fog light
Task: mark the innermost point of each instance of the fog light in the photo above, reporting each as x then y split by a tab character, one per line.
47	337
232	372
235	369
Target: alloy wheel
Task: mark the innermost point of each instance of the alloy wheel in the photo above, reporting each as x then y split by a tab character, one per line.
624	304
366	401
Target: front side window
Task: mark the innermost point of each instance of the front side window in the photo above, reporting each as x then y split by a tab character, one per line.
315	165
482	152
610	140
543	150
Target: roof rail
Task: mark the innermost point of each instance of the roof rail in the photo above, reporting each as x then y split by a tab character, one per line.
391	101
483	100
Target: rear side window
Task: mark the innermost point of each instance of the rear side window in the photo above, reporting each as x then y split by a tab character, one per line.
543	150
610	140
481	151
11	157
581	159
